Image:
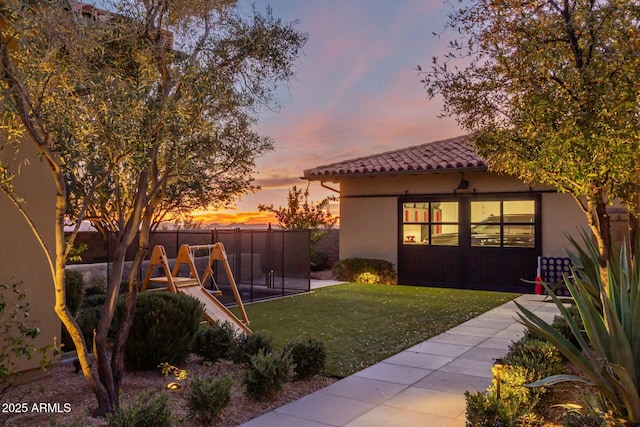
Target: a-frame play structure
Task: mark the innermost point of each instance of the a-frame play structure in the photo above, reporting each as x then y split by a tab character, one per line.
192	285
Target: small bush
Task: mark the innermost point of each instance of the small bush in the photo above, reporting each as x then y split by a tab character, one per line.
208	396
73	288
215	341
486	410
308	356
527	360
577	419
150	410
267	373
162	330
319	261
363	270
97	285
561	325
93	301
248	345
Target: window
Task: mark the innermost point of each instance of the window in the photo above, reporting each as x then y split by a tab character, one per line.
430	223
507	223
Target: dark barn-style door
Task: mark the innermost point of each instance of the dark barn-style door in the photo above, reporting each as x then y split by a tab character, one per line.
470	241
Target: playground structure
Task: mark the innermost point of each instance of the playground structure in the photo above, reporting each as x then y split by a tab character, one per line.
192	284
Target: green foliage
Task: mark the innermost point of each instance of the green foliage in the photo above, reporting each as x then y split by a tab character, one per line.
74	288
248	345
162	330
577	419
318	260
561	324
486	410
213	342
540	358
75	253
302	214
17	333
152	409
527	360
609	356
308	356
266	374
96	286
208	396
364	270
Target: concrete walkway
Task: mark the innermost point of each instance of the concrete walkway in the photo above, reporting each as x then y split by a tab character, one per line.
421	386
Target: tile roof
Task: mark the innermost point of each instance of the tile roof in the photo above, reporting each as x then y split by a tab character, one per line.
452	154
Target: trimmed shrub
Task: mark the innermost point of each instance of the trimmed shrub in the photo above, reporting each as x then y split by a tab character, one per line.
486	410
97	285
319	261
74	288
560	323
364	270
93	301
152	409
214	342
308	356
527	360
248	345
162	330
267	373
208	396
576	419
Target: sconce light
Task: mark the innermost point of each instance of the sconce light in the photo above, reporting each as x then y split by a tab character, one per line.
463	184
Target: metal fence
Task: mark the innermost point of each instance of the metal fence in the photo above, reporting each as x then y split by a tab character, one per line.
265	263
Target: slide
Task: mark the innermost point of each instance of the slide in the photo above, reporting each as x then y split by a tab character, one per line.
214	310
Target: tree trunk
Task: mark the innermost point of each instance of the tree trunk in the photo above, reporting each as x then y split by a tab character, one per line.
60	294
600	226
634	220
106	316
117	357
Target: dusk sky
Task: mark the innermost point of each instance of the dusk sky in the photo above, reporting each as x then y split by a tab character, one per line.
356	92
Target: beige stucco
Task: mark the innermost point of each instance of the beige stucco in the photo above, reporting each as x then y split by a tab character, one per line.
21	257
369	209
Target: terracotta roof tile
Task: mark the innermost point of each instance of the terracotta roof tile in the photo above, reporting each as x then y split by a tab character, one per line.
446	155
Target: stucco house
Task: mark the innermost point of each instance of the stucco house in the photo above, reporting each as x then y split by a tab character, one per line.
438	214
22	258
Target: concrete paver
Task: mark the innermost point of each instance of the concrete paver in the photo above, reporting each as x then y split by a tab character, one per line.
421	386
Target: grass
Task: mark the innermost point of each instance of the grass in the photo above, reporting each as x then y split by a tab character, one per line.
363	324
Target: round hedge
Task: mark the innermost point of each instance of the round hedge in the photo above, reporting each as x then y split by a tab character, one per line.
163	329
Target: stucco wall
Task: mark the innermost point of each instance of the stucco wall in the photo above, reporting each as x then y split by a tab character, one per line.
21	257
369	209
561	216
368	228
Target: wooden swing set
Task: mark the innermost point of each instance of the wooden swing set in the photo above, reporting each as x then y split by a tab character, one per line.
193	286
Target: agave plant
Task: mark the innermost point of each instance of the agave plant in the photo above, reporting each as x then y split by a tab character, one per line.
610	356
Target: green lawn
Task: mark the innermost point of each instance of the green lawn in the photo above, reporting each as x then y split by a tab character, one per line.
363	324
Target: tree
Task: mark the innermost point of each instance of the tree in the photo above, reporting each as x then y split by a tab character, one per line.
126	108
549	90
301	214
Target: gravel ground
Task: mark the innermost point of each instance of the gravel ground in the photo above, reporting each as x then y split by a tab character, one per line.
64	396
